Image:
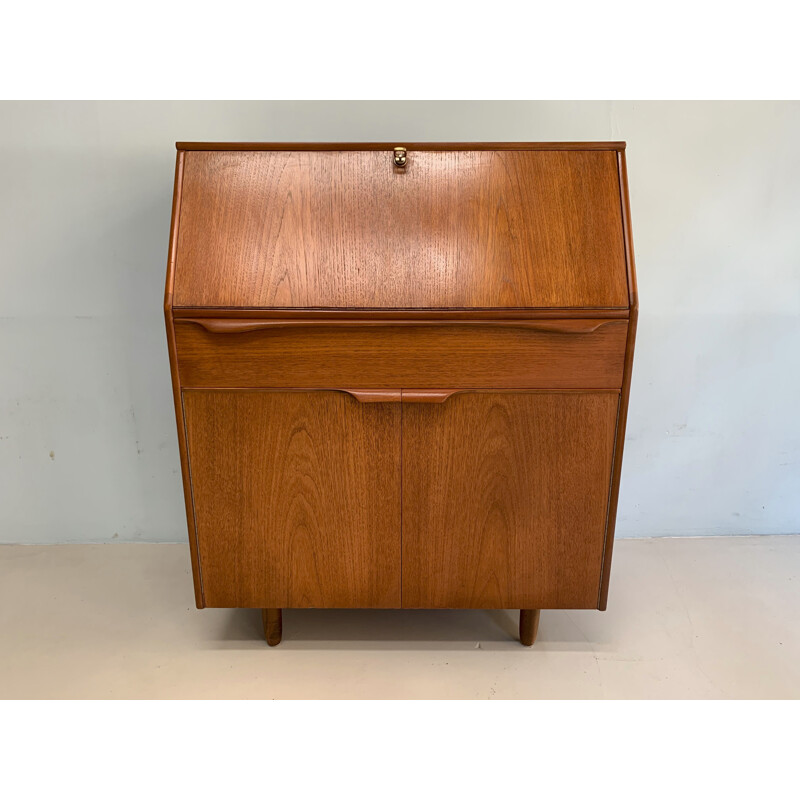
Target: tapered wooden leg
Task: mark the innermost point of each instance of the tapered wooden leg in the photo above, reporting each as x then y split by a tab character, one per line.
528	625
273	625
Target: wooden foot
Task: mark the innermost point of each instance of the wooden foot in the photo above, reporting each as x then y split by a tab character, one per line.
528	625
273	625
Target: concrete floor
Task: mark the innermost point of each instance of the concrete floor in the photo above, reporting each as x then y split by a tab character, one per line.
687	618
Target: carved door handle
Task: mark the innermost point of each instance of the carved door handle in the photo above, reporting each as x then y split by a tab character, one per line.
426	395
374	395
400	395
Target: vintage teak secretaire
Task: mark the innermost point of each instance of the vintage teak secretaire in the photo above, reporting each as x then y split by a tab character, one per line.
401	373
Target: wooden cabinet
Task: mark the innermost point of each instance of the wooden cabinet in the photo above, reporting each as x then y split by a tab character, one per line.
401	378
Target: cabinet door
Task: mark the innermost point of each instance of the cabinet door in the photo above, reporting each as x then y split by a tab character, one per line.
505	498
296	498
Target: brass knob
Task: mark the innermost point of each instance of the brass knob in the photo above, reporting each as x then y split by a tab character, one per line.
400	157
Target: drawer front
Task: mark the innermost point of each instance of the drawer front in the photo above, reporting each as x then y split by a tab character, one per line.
557	354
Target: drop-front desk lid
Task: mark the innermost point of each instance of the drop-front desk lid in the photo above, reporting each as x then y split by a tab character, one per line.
494	226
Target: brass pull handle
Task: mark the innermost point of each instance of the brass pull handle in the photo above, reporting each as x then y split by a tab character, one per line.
223	325
400	157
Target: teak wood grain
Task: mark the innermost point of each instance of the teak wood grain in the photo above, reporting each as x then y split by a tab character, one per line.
175	378
505	499
401	314
626	381
454	229
396	356
528	625
224	325
296	497
401	387
272	620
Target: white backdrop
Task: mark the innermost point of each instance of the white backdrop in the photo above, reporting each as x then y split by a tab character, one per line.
88	450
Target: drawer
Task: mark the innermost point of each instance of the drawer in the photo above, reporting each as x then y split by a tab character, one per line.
522	354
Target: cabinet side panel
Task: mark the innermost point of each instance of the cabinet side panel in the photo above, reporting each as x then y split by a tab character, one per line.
297	498
627	374
175	375
505	498
616	477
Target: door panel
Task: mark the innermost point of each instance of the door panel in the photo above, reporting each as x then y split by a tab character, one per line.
505	496
345	229
297	498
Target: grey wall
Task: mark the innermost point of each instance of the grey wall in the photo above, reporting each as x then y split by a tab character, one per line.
88	450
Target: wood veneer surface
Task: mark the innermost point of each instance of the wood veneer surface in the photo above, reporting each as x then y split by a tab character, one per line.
505	499
393	356
454	229
296	498
503	489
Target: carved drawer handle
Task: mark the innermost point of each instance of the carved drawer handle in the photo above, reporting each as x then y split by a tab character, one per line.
220	325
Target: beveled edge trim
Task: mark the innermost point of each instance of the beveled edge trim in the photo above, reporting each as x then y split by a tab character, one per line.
227	312
173	232
624	397
259	146
177	395
365	392
627	235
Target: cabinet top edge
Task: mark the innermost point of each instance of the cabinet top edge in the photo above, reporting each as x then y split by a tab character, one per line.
255	146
